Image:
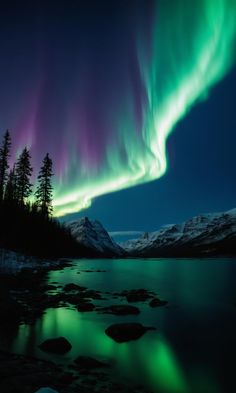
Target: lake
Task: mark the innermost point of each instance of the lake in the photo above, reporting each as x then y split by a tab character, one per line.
193	347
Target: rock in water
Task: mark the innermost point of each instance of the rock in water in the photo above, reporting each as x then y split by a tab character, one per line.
121	309
85	306
136	295
58	345
73	287
157	302
123	332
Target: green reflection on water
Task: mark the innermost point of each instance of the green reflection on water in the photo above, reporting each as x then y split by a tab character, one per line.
164	369
84	334
202	290
149	360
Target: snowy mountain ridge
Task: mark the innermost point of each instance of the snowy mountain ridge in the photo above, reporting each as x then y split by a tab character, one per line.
210	233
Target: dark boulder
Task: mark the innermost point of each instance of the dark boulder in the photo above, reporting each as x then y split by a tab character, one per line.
122	309
85	306
58	345
72	298
73	287
123	332
157	302
137	295
92	294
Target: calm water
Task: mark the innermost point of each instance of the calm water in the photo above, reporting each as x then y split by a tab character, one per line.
194	346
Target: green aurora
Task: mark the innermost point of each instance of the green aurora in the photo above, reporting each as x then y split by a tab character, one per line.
190	47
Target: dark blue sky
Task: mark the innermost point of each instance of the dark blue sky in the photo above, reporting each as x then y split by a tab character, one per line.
201	175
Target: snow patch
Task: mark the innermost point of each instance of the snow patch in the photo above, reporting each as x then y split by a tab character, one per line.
13	262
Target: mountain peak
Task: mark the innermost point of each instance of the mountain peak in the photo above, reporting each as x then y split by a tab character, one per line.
93	235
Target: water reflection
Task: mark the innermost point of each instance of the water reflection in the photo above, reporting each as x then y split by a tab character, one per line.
150	359
190	350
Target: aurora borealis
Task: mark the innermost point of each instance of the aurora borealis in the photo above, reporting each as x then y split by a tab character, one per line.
106	85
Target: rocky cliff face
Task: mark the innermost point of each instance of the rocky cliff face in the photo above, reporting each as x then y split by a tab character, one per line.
207	234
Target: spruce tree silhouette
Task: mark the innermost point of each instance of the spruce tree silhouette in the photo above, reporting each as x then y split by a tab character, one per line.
26	226
23	175
11	187
4	156
44	191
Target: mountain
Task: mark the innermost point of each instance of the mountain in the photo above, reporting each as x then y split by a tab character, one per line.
93	236
203	235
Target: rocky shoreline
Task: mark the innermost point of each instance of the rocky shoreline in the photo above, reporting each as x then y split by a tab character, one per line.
25	296
24	374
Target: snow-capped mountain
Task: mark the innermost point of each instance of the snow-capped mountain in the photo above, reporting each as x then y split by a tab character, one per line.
92	235
207	234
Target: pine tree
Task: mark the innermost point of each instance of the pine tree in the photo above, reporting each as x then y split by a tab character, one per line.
44	191
11	186
4	155
23	175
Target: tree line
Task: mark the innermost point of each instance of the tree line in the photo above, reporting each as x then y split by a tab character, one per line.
27	225
15	184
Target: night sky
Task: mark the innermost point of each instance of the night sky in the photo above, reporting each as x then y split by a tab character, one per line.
133	100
